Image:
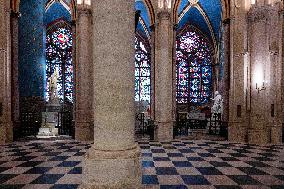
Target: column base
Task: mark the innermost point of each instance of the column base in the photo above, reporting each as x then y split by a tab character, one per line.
112	169
257	136
237	132
276	135
3	133
9	134
164	131
84	131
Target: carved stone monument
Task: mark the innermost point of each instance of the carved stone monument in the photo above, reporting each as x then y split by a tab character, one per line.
53	93
217	107
50	118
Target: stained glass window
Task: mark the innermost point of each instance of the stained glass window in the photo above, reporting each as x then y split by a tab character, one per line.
194	67
59	56
142	70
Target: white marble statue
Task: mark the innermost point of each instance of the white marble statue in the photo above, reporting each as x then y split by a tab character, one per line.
218	103
53	93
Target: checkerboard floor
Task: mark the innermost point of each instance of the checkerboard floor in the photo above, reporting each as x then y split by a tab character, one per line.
180	164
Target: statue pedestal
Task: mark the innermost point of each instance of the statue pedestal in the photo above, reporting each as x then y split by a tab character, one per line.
50	120
46	132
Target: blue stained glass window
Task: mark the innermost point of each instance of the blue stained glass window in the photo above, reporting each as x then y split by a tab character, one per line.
142	70
194	67
59	56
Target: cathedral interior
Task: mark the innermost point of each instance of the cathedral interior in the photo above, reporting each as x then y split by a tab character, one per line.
132	94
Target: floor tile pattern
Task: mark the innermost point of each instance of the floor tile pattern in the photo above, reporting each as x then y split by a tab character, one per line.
180	164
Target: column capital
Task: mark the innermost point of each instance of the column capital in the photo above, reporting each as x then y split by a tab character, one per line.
226	21
164	15
175	27
73	23
15	14
84	10
261	13
152	27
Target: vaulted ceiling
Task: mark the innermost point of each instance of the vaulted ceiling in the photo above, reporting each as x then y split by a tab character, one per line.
206	15
56	11
144	21
65	3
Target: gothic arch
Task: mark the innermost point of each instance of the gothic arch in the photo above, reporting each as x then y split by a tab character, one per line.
15	6
151	11
225	9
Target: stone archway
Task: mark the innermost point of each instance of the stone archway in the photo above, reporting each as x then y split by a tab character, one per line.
220	83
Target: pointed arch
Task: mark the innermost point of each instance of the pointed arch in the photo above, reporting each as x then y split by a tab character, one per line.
205	17
15	6
59	60
65	4
225	9
193	67
151	11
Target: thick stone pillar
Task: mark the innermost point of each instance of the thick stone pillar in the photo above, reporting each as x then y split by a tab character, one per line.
113	161
164	77
265	117
152	89
276	102
15	64
226	69
84	79
239	91
6	131
281	55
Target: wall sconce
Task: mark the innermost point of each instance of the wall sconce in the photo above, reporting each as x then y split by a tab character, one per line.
164	4
259	79
258	88
84	2
252	2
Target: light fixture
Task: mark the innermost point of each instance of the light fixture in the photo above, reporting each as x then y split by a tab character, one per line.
258	88
84	2
259	81
164	4
88	2
253	2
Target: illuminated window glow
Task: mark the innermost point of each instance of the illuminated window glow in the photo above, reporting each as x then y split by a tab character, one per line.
142	70
59	55
194	67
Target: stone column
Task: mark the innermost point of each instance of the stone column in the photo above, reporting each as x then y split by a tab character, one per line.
152	90
265	117
164	77
281	56
84	82
174	77
14	58
113	161
239	92
6	131
276	72
226	71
